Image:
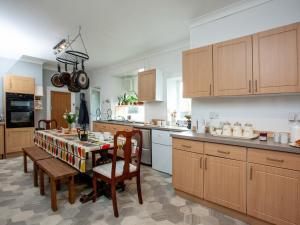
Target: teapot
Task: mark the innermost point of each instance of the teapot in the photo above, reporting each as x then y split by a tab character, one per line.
82	134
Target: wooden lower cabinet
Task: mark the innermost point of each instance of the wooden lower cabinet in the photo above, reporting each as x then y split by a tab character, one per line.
273	194
225	182
112	128
2	137
188	172
17	138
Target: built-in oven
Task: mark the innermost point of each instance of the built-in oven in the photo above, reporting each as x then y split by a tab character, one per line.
19	110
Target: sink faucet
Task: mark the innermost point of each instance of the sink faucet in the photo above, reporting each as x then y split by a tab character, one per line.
122	118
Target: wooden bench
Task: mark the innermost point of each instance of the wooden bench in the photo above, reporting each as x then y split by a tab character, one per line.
35	154
56	170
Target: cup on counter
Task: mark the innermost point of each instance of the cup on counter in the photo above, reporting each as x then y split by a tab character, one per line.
284	138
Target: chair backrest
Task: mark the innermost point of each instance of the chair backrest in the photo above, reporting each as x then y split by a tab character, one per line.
48	124
132	139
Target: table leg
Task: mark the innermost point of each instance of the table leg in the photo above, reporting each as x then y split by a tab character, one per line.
71	190
53	195
42	186
35	175
25	162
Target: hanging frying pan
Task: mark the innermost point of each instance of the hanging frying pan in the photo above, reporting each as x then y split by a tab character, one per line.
73	87
82	79
55	78
65	77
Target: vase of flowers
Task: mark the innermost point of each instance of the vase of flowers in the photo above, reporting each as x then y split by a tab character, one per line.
70	118
189	121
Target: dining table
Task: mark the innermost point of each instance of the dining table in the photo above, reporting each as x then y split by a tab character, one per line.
70	149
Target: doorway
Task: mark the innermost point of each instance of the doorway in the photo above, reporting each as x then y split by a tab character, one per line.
60	103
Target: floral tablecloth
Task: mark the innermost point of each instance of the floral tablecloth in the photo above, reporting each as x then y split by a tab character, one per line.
69	148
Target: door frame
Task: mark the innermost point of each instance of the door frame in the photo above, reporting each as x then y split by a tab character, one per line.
49	89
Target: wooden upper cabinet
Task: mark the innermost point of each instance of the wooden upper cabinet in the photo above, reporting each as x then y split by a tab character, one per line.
187	172
150	86
273	194
197	72
276	60
225	182
18	84
233	67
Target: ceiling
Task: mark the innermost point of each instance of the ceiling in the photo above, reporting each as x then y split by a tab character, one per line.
113	30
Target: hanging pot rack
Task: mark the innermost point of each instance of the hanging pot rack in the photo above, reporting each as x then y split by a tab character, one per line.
68	55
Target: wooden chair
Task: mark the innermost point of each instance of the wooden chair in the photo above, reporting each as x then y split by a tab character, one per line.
121	170
48	124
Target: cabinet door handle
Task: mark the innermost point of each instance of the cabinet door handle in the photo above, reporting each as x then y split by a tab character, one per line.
251	173
200	162
186	146
205	163
249	86
255	85
275	160
223	152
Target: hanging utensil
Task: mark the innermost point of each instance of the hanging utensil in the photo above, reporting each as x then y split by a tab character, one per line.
65	77
73	87
82	79
55	79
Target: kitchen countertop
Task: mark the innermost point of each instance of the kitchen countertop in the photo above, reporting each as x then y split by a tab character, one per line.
2	123
268	145
144	126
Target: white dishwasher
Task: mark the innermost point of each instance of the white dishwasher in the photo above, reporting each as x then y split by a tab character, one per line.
162	151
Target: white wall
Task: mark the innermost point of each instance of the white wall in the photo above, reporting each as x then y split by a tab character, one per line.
167	60
268	112
20	68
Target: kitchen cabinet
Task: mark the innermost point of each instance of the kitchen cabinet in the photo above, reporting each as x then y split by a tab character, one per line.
232	62
150	86
273	194
197	75
276	60
225	182
18	84
2	140
18	138
188	172
112	128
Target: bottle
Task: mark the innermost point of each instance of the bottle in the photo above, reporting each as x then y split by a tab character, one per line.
295	131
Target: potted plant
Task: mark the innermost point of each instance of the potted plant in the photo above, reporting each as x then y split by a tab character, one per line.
189	121
70	118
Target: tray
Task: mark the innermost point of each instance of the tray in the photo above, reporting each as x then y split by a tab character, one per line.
235	137
294	145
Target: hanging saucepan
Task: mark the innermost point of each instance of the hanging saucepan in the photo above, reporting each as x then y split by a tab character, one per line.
82	79
73	87
55	78
65	77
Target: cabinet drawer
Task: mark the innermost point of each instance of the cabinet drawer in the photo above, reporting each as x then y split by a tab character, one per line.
187	145
272	158
226	151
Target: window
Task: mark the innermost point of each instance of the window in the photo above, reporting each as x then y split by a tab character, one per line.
175	101
136	112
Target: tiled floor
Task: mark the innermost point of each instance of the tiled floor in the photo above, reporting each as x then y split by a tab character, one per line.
21	203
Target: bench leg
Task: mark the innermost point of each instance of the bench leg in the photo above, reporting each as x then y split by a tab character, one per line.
42	186
53	195
25	162
71	190
35	174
